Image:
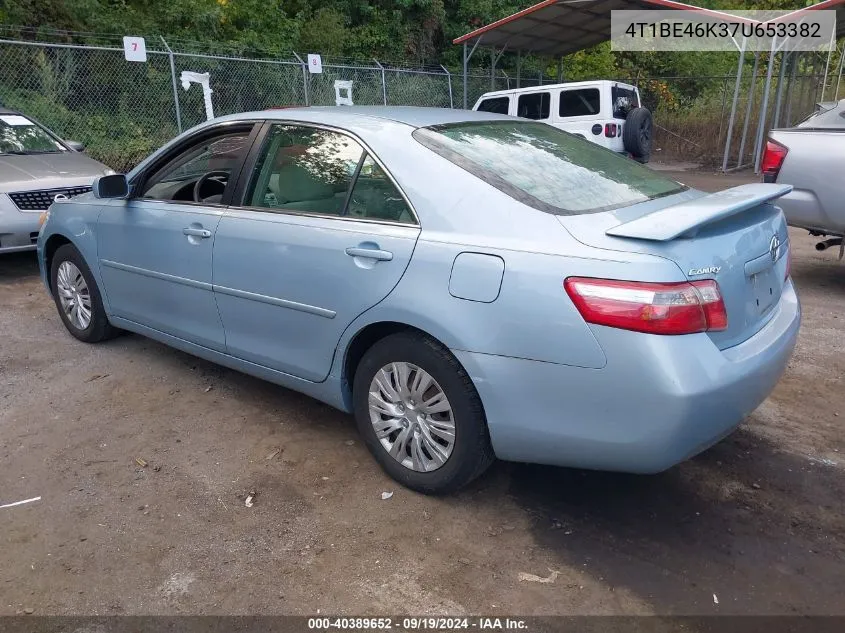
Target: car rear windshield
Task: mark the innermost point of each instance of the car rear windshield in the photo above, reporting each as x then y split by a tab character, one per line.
545	167
19	135
826	118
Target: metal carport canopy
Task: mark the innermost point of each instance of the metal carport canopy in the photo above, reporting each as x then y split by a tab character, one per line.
558	27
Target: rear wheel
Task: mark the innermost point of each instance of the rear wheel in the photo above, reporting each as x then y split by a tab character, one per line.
77	297
420	414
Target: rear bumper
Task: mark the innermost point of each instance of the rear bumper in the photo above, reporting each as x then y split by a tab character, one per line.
803	209
658	401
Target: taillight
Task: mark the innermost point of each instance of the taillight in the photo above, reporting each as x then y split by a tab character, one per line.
655	308
773	157
788	263
610	130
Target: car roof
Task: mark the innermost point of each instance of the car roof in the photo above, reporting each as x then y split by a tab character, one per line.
415	117
545	87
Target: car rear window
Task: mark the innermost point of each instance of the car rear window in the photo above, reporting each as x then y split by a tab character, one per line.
829	118
624	100
545	167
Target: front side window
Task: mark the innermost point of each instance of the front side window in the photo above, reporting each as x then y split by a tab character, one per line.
545	167
304	169
580	102
201	173
534	106
497	105
19	135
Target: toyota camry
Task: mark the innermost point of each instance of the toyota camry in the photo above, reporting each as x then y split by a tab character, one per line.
468	285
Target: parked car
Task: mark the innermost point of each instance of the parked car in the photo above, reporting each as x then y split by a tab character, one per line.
811	158
35	167
468	284
607	113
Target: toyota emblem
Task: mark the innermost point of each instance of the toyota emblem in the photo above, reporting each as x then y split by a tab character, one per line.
774	248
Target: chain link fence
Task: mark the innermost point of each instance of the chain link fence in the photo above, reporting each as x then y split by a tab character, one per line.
124	110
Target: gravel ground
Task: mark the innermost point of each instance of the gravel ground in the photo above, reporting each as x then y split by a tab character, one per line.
755	523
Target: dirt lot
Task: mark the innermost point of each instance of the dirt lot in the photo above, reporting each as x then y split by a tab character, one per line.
756	522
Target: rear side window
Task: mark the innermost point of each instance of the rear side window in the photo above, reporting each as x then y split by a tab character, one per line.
624	100
582	102
497	105
545	167
304	169
534	106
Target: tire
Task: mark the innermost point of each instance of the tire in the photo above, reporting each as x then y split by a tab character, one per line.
471	452
637	134
97	327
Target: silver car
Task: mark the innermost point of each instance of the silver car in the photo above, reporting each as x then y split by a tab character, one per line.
811	158
35	167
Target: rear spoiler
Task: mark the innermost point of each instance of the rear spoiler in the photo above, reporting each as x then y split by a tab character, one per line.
677	220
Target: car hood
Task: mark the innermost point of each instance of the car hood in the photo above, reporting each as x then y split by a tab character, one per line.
45	171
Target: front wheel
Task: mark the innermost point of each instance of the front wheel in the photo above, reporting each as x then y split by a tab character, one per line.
420	414
77	297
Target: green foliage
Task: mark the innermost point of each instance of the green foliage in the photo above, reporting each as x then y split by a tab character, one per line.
123	115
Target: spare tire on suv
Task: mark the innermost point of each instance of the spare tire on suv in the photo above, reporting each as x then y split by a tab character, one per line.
637	134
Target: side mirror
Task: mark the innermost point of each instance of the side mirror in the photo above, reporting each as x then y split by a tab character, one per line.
76	146
113	186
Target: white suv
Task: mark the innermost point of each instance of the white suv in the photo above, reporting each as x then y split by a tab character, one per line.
605	112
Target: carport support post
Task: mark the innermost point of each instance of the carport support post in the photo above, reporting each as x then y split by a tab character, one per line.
383	82
831	48
748	109
783	63
737	87
796	56
492	69
449	76
465	75
839	74
518	68
304	77
764	107
175	88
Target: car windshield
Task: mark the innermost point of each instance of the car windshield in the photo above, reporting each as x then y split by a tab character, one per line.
545	167
19	135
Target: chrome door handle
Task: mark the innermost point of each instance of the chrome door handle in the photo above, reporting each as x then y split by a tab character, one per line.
196	232
369	253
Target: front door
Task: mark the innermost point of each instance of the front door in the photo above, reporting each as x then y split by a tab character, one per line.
323	234
155	248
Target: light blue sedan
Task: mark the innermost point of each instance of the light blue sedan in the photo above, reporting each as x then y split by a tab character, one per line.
469	285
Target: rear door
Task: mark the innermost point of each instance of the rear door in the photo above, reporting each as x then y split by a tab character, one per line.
321	234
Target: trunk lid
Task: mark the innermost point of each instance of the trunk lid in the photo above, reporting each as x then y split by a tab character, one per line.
737	237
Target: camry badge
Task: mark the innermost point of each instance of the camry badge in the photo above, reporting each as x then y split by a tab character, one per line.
713	270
